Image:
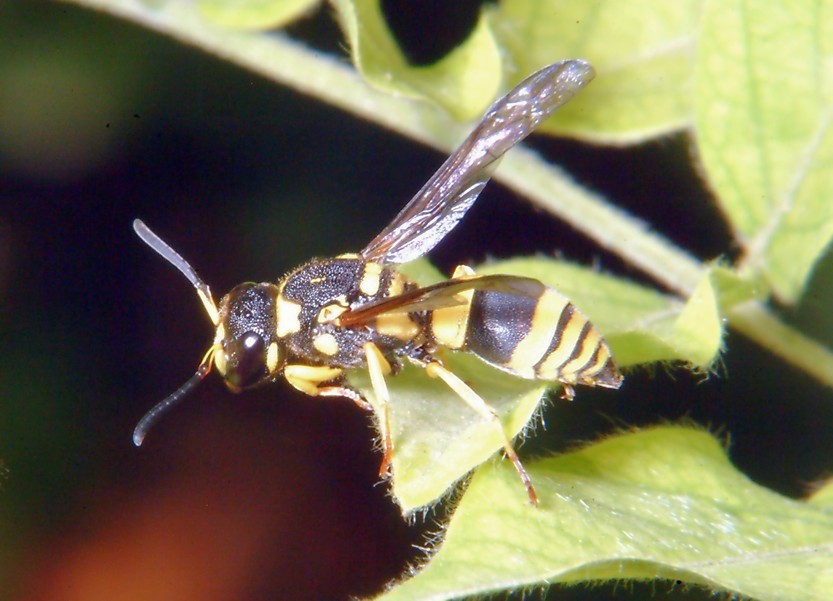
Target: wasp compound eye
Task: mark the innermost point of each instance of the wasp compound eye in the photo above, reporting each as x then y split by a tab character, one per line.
246	360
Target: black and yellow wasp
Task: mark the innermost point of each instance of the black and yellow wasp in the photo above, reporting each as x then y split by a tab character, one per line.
359	311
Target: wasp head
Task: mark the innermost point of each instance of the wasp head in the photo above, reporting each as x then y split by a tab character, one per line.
246	350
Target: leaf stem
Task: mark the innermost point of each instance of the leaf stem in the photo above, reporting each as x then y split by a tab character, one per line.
277	57
759	324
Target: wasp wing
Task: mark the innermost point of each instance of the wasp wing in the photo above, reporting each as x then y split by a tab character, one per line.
446	197
439	296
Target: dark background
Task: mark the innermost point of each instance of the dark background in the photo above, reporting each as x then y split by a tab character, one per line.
270	495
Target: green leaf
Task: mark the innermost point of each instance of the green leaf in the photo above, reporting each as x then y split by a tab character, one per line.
437	438
732	289
464	82
698	330
642	51
823	497
661	503
763	115
254	14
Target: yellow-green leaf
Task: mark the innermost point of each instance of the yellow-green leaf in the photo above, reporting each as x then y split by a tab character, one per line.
823	497
642	51
437	438
763	109
254	14
664	503
464	82
732	289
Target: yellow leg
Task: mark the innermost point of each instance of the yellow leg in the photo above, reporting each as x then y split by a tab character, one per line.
312	380
462	272
379	367
307	378
476	402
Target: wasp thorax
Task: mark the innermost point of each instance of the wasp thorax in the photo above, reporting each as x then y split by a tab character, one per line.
247	349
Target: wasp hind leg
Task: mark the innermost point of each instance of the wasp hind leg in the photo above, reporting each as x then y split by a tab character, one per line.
436	369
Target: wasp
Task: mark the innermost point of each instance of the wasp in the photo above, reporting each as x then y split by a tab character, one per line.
359	311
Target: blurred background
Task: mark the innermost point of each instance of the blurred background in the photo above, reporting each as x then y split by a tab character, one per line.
271	494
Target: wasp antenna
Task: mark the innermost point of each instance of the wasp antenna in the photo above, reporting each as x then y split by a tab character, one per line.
175	259
162	407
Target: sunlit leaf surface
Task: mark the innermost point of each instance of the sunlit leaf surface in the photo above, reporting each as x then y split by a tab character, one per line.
254	14
662	503
764	109
464	82
643	53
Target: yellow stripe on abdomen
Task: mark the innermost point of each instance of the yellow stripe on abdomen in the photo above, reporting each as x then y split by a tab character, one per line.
542	331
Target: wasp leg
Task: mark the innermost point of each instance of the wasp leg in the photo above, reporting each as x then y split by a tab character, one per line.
348	393
319	380
310	379
379	367
462	272
436	370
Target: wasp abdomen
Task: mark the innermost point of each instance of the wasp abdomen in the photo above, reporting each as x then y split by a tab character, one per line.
539	335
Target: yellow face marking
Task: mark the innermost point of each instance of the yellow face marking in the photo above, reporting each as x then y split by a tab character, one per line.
307	378
326	344
398	325
272	357
551	368
287	317
220	334
449	324
369	283
219	356
330	313
531	349
318	280
220	361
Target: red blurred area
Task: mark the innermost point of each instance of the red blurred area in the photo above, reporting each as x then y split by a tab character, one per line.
243	506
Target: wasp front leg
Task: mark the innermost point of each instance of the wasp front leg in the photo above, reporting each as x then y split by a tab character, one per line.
379	367
316	380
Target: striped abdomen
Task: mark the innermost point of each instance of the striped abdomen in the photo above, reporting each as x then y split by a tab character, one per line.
535	337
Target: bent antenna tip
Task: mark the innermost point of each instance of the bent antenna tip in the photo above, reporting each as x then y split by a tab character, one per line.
138	437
